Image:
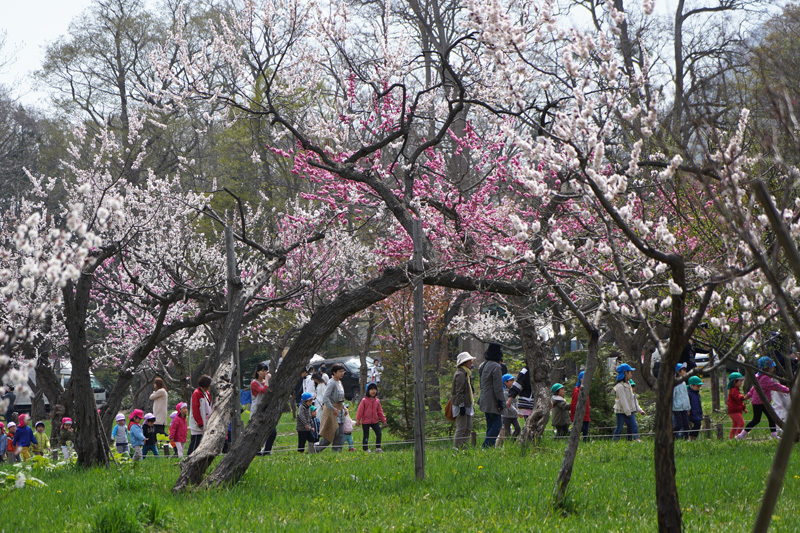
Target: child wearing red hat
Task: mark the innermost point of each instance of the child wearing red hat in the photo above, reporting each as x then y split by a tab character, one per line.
66	437
24	437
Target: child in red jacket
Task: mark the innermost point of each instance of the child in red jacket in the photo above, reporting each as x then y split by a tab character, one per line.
736	403
573	406
370	414
178	430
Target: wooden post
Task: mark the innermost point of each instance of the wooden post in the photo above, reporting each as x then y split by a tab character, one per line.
419	355
714	382
236	381
720	434
706	425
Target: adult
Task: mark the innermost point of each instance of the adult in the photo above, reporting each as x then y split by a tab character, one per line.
332	425
258	388
462	399
259	385
159	398
308	382
11	400
688	353
522	391
200	411
573	406
492	399
319	391
298	388
323	372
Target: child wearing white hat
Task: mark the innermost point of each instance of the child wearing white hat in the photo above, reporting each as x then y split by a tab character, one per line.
120	434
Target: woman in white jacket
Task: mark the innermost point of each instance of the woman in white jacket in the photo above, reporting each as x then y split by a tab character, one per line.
160	401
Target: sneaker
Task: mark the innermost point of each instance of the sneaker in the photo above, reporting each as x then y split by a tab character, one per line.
378	450
351	450
368	450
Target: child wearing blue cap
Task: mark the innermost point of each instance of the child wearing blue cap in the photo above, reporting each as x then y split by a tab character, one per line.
560	410
625	404
510	413
573	406
680	405
304	424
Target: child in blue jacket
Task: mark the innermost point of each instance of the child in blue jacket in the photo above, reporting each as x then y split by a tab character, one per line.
137	436
24	437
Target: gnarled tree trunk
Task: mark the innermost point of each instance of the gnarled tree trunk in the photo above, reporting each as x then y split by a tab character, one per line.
322	323
539	360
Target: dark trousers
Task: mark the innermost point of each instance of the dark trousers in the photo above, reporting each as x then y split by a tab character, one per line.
508	423
585	430
303	436
562	431
694	431
759	410
150	448
493	424
270	441
160	429
194	443
680	424
365	440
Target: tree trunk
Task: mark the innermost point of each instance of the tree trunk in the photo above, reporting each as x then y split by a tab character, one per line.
565	474
89	439
437	344
667	503
538	360
322	323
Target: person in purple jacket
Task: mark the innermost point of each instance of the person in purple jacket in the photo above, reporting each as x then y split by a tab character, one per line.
765	364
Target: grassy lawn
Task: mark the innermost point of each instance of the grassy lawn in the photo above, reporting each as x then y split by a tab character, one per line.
612	489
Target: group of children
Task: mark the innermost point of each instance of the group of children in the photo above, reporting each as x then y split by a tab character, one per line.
139	436
369	416
18	442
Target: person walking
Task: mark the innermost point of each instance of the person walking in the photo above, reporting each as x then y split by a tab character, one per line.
331	427
462	399
492	399
160	399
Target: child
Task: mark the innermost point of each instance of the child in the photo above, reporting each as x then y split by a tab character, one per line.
10	450
768	385
149	431
560	410
178	430
696	409
120	434
24	438
347	429
736	403
680	405
625	404
510	414
314	426
137	435
66	437
136	413
304	424
370	415
573	406
3	442
43	441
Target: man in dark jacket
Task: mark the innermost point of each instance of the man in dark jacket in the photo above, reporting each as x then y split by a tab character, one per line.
491	400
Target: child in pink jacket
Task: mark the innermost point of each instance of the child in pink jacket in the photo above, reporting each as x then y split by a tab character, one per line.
178	428
370	415
765	364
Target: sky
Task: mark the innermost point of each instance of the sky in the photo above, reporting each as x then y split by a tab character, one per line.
29	27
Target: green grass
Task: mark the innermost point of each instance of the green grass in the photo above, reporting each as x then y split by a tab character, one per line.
612	489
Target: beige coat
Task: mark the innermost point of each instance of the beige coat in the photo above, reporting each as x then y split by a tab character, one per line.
625	401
